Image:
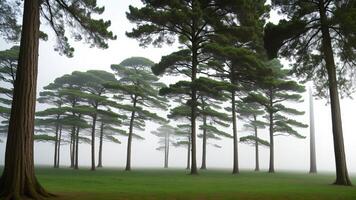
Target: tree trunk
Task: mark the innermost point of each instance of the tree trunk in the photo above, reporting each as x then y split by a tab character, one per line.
100	161
271	142
56	143
129	140
203	165
257	161
76	164
168	141
59	145
235	168
194	169
93	143
165	150
188	157
312	134
72	147
342	176
18	180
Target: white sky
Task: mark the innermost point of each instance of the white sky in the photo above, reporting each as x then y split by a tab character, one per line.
291	153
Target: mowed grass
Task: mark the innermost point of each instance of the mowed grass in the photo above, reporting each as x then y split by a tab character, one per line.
177	184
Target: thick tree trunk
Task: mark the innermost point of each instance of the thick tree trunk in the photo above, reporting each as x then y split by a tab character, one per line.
93	143
100	161
235	168
342	176
76	164
18	180
194	169
257	161
188	152
312	134
59	145
203	165
56	143
129	140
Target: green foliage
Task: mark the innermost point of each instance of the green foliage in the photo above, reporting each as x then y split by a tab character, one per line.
9	28
300	37
275	90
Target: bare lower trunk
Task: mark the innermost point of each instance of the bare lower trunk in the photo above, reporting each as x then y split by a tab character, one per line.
342	176
312	134
18	180
129	140
203	165
72	147
188	152
76	164
100	161
235	168
193	114
165	150
257	161
59	145
56	144
93	143
271	147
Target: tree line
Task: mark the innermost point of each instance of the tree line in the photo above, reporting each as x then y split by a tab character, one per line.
228	54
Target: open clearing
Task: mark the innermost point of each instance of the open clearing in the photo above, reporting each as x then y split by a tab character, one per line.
177	184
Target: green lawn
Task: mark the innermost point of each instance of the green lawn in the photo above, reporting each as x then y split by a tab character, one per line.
176	184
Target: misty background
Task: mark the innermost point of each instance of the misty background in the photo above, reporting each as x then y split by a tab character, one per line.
290	153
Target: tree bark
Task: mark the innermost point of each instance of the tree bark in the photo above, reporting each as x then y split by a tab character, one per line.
165	150
257	161
76	164
342	176
271	135
188	152
312	134
100	161
18	180
203	165
72	147
129	140
56	143
93	143
235	168
194	169
59	145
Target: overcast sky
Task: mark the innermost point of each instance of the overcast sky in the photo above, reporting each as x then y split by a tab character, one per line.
291	153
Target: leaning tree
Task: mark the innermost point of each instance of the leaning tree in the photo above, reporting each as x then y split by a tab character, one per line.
320	37
18	178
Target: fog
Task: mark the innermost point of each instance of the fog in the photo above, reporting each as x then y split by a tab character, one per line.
290	153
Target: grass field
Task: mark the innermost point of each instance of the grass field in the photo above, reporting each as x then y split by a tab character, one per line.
176	184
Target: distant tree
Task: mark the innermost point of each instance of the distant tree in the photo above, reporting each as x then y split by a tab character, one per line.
138	86
110	126
183	130
249	112
316	35
212	119
165	133
274	91
18	179
8	66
